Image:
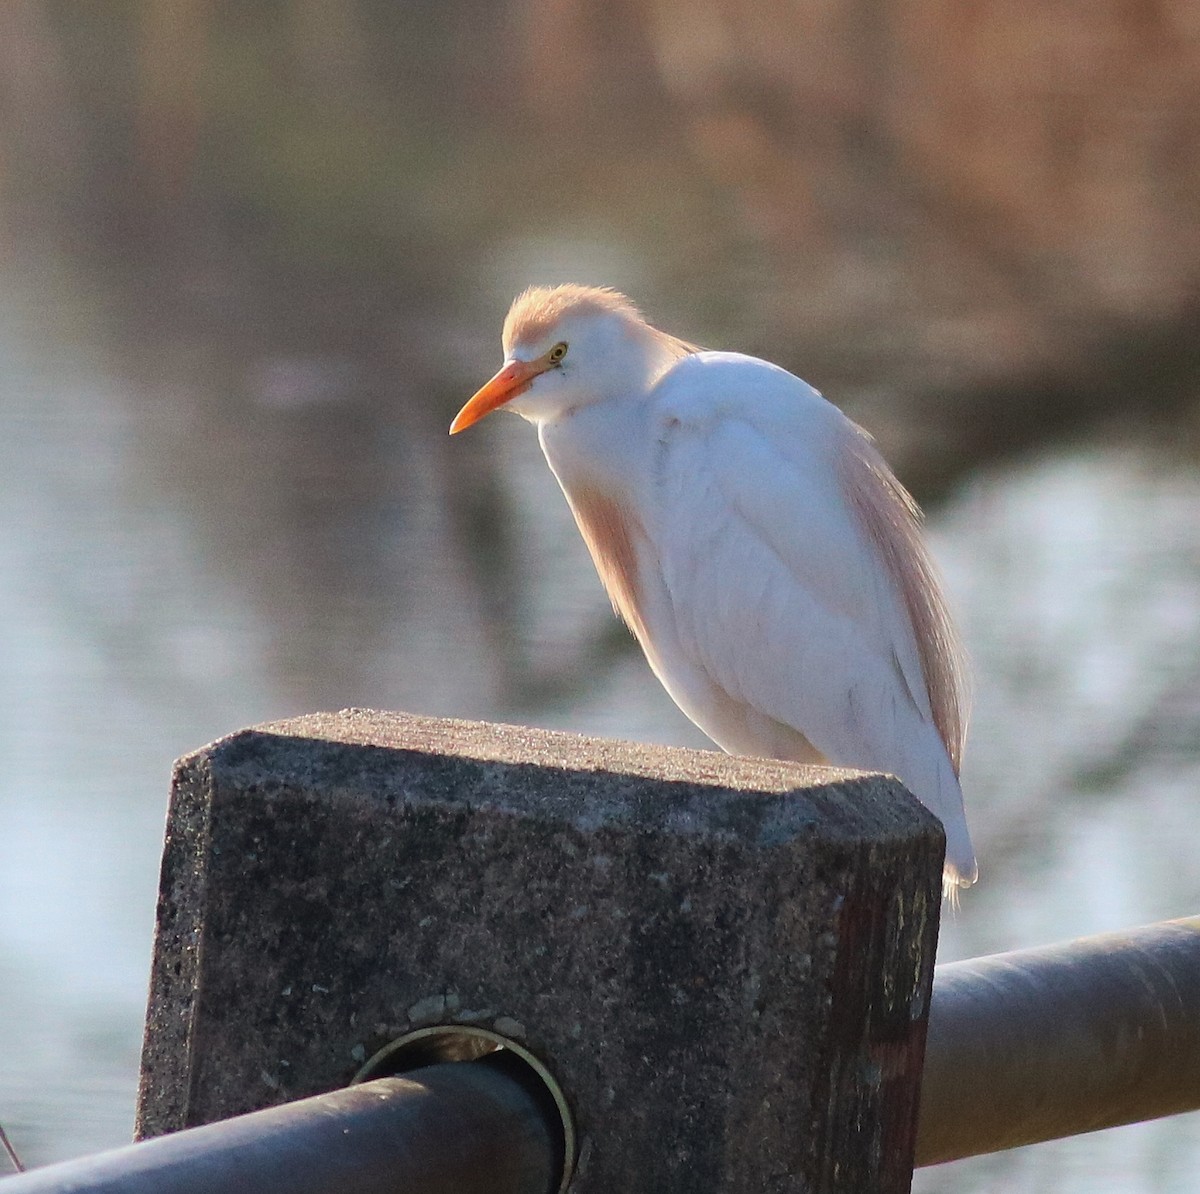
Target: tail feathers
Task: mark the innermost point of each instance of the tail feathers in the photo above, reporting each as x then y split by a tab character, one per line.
960	854
961	869
953	881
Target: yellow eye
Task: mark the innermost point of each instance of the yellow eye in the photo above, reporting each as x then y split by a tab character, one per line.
556	354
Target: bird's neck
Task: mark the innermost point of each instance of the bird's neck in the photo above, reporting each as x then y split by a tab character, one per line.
662	352
600	445
633	365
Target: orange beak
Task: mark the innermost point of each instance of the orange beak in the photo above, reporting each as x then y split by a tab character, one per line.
515	378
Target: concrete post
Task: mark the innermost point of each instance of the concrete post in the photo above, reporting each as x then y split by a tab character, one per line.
724	963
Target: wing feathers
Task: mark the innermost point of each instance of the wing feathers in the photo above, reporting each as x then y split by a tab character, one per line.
891	520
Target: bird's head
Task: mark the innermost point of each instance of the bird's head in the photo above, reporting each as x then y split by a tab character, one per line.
568	346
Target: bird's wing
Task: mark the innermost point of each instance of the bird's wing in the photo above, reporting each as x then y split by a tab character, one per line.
781	586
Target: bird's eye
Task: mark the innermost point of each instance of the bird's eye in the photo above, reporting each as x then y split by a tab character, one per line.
557	353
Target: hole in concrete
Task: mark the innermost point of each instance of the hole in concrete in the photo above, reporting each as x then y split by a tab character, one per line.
463	1042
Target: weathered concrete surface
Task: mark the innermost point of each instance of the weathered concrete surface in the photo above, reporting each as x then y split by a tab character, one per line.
725	962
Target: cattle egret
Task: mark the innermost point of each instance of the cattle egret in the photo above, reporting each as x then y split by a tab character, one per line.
754	541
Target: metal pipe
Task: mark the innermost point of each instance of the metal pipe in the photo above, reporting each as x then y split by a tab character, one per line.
1043	1043
456	1128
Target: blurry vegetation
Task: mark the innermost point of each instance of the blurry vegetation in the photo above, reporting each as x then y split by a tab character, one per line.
976	230
893	200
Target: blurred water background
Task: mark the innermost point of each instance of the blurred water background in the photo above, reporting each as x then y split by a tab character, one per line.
253	257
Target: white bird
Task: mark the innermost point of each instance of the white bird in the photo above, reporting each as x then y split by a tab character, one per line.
753	539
